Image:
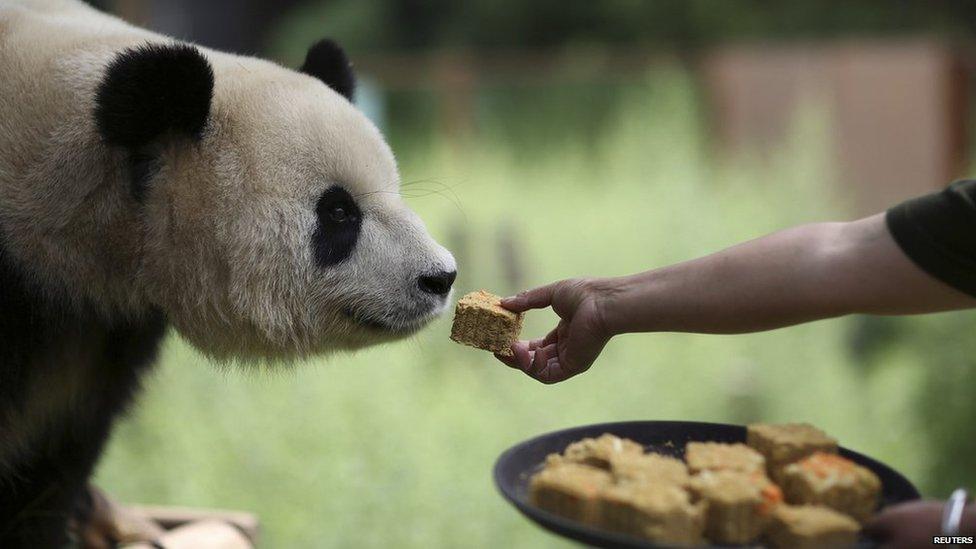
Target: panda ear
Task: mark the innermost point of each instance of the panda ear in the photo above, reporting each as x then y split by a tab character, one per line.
327	61
152	90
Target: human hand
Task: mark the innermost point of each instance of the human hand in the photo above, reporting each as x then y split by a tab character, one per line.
912	524
572	346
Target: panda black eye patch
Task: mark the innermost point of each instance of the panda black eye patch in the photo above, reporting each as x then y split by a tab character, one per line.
339	220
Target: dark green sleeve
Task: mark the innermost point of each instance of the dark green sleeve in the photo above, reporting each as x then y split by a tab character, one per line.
938	233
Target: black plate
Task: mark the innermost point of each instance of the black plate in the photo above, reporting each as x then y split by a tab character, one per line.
514	468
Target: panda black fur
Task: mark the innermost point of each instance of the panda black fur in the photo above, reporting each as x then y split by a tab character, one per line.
148	183
46	471
326	61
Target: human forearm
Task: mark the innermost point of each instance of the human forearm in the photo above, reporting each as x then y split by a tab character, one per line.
792	276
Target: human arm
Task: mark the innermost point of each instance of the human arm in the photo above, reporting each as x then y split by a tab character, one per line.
792	276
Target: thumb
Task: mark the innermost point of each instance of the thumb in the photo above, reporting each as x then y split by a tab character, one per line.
536	298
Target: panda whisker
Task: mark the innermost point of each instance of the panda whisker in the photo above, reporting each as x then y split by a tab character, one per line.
370	193
445	191
443	188
449	189
433	181
452	198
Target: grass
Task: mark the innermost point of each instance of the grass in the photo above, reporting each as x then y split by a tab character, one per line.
394	446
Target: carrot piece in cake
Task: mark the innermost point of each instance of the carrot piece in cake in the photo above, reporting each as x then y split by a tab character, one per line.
738	505
833	481
786	443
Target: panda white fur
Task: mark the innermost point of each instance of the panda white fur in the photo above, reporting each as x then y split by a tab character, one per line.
146	182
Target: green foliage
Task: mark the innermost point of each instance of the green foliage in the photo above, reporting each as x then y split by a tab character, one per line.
943	349
405	25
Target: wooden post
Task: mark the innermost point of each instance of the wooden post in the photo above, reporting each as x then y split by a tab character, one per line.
457	84
897	109
205	534
174	517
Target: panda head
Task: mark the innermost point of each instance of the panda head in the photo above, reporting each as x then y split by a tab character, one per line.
269	205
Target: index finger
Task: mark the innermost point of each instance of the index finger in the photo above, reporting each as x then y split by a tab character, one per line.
536	298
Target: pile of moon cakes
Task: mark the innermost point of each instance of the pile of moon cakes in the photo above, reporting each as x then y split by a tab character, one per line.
786	487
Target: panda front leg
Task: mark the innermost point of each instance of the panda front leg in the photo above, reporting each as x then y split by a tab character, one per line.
98	522
49	491
48	488
52	504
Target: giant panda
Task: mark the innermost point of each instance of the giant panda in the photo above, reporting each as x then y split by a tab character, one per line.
146	183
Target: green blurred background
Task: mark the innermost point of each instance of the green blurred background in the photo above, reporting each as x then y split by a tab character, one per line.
534	154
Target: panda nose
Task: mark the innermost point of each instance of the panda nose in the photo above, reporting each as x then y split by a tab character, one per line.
437	283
